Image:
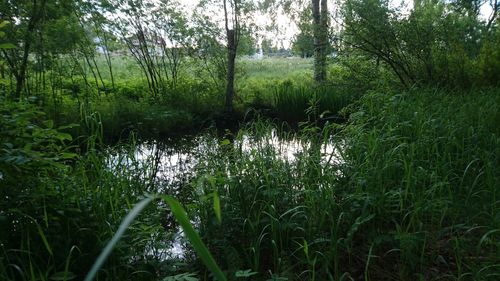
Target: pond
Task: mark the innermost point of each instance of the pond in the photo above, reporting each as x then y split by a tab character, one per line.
171	162
169	165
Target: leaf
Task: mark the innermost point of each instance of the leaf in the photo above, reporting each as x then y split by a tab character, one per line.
44	239
67	155
119	233
4	23
70	126
182	277
359	221
485	236
182	219
306	249
62	276
244	273
49	124
64	136
225	142
194	238
7	46
217	207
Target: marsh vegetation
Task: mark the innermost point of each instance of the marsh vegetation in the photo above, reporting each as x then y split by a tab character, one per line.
150	140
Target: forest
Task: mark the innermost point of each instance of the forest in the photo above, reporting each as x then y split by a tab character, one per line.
184	140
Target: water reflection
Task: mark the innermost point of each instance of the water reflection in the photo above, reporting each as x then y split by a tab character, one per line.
167	167
172	163
289	148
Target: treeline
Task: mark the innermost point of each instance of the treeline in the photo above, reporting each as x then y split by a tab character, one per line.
434	44
50	47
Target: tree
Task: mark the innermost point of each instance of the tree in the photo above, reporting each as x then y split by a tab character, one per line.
157	36
231	23
320	33
30	14
210	51
303	44
92	16
32	28
234	12
320	29
437	43
267	47
3	46
247	43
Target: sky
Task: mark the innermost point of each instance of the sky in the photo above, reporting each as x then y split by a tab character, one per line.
287	29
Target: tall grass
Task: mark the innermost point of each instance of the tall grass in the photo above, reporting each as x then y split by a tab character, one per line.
58	210
280	88
292	102
415	197
412	195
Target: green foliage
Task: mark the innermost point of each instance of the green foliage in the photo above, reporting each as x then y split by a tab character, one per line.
293	102
182	277
303	44
434	45
246	44
54	203
33	153
4	45
414	177
423	156
405	190
116	237
489	60
30	144
194	238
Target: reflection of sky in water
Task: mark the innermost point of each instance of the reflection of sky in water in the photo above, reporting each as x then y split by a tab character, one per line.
289	149
168	166
172	163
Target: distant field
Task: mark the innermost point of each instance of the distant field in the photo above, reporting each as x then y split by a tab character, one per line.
125	67
276	68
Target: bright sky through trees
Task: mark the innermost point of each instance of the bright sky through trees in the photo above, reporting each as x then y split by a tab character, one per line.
285	28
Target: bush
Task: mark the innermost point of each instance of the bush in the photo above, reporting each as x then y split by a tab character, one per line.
436	43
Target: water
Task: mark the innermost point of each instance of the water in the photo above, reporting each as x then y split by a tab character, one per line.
172	163
168	166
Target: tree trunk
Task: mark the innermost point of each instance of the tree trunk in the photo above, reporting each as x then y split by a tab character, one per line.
320	33
231	60
21	75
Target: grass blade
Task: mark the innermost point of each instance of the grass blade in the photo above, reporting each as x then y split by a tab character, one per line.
119	233
194	238
217	207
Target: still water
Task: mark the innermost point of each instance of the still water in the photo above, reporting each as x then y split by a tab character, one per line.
171	162
168	166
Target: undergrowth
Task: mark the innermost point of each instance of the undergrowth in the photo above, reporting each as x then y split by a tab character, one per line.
407	190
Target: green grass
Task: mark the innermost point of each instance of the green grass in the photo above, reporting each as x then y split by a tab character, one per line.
60	209
427	161
413	196
415	199
276	68
276	87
